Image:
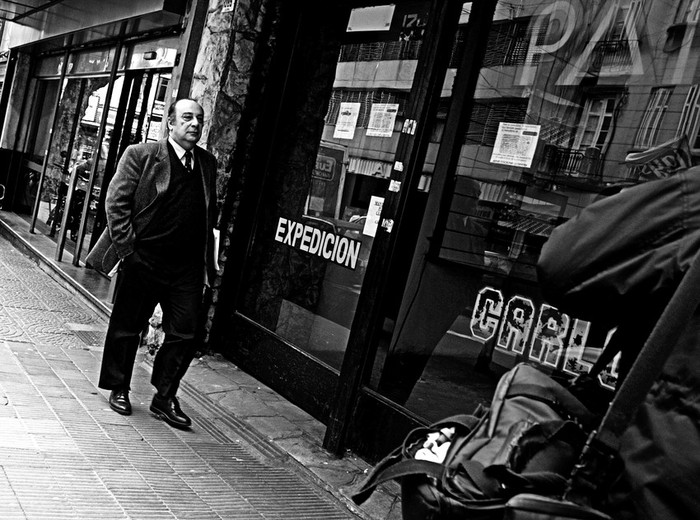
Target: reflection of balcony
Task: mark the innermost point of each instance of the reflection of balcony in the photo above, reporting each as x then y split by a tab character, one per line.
381	51
570	167
612	55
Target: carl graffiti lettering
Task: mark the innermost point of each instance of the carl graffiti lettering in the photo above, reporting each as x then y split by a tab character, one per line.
541	334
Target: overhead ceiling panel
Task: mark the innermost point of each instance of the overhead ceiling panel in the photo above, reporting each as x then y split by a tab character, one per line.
37	20
13	11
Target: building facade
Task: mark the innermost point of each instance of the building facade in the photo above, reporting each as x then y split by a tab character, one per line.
388	174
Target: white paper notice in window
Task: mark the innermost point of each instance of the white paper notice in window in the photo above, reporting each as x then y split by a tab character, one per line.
381	119
373	213
515	144
347	121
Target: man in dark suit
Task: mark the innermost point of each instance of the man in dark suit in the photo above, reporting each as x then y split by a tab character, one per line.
161	212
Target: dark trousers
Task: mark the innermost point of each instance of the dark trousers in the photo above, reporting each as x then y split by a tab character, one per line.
139	288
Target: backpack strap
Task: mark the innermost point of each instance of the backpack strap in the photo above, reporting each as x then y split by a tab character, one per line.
600	462
464	421
489	486
395	470
396	465
546	482
652	357
563	402
487	480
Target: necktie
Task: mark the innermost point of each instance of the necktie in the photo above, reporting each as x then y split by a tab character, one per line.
188	161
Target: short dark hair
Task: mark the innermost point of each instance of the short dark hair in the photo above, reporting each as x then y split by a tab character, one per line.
171	108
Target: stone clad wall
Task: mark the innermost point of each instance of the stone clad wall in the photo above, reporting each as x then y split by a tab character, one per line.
241	73
223	71
228	62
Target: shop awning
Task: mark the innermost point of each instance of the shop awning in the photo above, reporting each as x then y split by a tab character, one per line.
370	167
528	224
43	19
15	11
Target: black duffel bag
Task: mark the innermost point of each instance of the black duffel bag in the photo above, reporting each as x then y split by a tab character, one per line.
527	441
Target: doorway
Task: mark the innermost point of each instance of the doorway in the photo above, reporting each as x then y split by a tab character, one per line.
78	164
301	312
136	111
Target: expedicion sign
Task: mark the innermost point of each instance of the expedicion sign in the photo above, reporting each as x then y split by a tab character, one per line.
330	246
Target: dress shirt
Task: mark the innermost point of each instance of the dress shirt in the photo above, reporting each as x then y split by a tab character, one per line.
180	152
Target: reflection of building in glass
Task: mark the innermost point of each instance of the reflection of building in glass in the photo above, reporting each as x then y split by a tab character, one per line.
596	95
570	101
610	106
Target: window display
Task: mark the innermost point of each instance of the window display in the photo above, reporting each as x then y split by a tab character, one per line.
574	102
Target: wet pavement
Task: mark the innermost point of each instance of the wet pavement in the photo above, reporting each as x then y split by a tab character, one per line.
65	454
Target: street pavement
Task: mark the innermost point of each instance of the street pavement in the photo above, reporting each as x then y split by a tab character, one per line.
64	454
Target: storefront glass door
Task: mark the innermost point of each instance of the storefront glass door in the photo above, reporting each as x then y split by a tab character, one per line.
42	104
135	115
72	146
346	110
74	136
570	107
312	249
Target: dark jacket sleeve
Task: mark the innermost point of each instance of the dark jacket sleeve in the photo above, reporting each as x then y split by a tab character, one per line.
119	202
624	248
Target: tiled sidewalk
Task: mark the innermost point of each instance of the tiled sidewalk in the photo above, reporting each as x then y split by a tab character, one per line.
65	454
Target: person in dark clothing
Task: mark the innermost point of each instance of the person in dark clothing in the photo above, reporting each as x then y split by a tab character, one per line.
618	262
161	212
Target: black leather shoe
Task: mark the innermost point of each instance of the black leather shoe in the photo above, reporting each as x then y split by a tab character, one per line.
168	409
119	402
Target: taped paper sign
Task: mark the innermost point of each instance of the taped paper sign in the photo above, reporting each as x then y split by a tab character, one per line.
381	119
515	144
347	121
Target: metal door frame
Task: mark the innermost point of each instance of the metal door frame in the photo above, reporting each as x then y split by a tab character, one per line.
340	399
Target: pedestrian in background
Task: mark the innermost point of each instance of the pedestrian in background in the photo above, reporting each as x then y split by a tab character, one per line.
161	211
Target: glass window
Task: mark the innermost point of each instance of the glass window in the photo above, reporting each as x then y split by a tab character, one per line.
653	117
151	54
690	116
72	145
489	113
365	100
40	121
625	18
93	152
91	61
312	247
49	66
596	123
569	107
693	14
510	41
40	106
